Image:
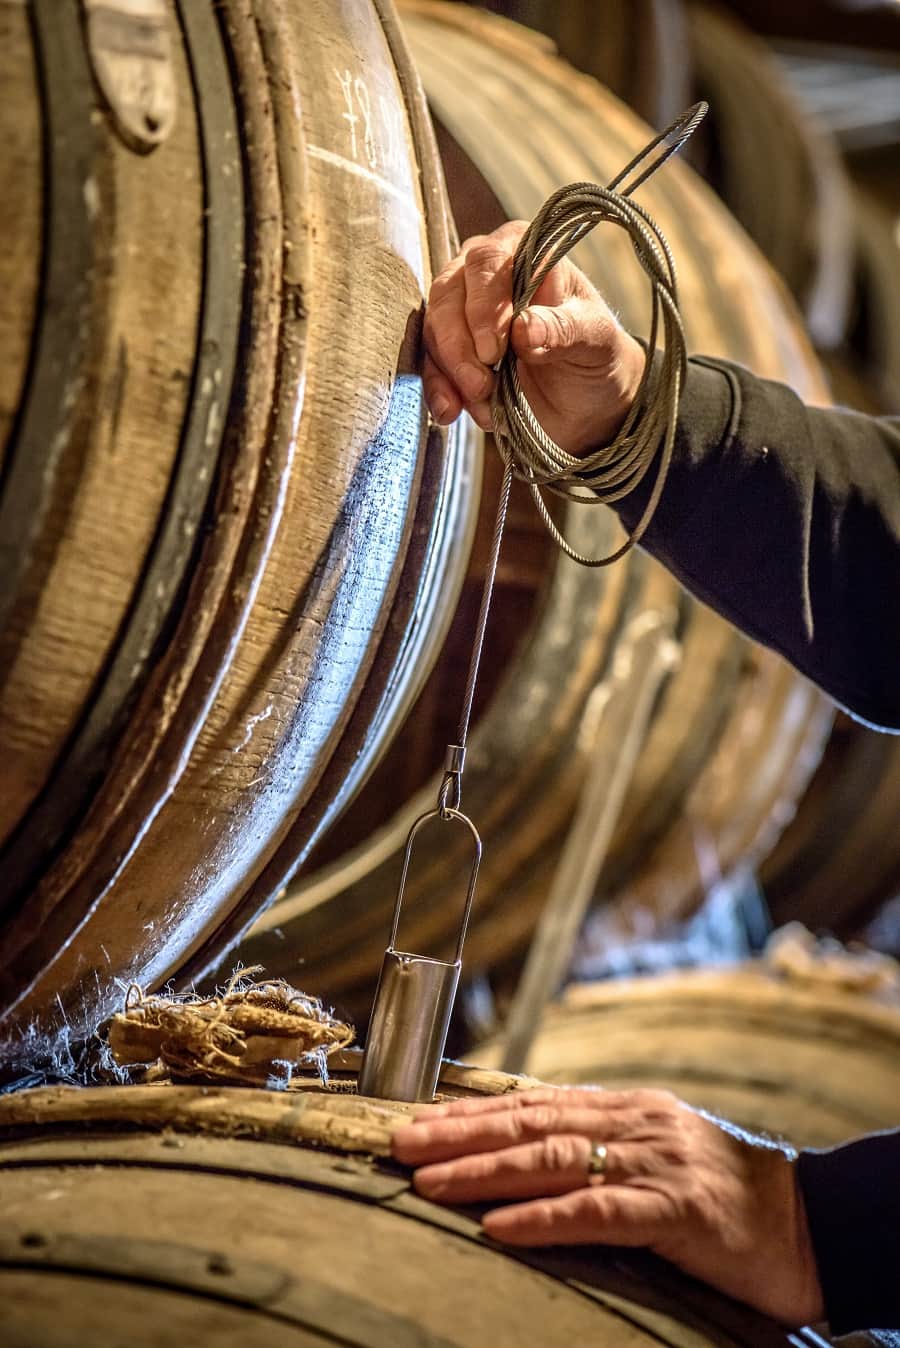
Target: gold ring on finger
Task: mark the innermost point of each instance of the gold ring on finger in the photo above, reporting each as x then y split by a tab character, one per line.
597	1159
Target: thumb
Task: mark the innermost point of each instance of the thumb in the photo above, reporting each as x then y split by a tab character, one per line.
581	330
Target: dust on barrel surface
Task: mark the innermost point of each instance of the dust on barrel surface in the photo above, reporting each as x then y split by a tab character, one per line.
735	734
814	1062
234	539
256	1216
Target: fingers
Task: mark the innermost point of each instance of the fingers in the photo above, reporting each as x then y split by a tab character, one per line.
493	1104
468	316
488	278
555	1165
580	331
598	1215
443	1139
443	400
583	1097
449	342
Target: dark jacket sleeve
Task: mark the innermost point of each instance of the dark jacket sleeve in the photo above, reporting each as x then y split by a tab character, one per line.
852	1199
786	519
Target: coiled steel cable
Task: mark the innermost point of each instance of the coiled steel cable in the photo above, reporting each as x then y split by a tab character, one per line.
528	452
614	470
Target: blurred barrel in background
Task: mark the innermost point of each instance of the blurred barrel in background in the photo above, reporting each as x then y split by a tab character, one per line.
230	545
735	733
874	338
816	1063
838	861
638	49
773	167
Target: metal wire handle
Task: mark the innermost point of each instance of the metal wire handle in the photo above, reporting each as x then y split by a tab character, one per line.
423	819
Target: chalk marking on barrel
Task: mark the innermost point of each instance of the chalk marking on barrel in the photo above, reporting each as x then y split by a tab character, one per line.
400	194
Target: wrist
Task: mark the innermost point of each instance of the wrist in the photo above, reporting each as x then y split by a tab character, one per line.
797	1294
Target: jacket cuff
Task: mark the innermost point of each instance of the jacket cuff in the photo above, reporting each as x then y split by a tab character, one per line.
708	416
852	1199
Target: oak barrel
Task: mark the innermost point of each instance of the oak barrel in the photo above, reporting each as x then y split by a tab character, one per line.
813	1062
257	1217
638	49
229	541
775	168
875	335
735	734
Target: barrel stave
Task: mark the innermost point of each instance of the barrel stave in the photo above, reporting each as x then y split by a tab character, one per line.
104	404
374	1263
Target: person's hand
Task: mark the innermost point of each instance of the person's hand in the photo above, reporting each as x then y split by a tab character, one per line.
722	1206
578	367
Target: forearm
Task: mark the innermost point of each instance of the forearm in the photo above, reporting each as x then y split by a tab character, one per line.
786	519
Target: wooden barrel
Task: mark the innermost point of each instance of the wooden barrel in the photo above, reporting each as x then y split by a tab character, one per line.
229	542
774	169
735	734
255	1217
811	1062
875	335
638	48
838	861
841	23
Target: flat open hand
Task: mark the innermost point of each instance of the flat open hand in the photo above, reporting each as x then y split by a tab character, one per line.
722	1206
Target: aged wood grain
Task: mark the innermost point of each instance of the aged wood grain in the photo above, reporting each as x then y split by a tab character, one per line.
301	1227
121	432
21	210
333	544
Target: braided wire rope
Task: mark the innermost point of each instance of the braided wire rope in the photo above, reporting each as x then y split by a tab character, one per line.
528	452
613	470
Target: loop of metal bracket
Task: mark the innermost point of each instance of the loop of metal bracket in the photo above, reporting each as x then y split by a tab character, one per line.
450	792
447	815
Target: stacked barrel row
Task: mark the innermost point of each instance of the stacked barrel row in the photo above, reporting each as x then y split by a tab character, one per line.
206	642
229	540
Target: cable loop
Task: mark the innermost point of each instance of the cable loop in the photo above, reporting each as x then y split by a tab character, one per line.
450	794
613	470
